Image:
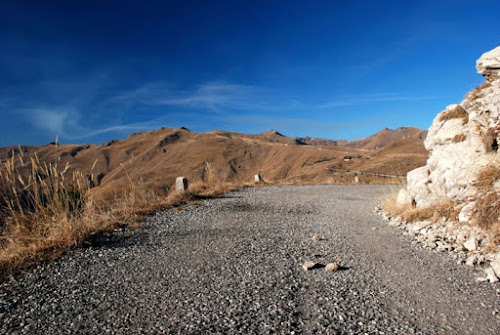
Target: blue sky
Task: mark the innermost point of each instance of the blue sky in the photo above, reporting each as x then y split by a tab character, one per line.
89	71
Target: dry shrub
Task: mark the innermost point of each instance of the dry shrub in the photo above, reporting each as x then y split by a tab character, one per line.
488	204
459	138
457	113
45	212
410	213
42	212
211	175
487	177
478	91
488	211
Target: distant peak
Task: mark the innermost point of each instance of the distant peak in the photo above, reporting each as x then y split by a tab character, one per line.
274	132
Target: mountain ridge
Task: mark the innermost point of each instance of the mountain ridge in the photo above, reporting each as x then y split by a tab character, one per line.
157	157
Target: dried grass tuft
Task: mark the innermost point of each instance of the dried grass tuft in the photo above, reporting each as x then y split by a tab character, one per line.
487	177
487	207
45	212
410	213
457	113
478	93
459	138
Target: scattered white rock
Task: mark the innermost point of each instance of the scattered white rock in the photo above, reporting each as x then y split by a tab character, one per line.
495	264
471	244
403	198
332	267
471	261
481	279
490	275
467	212
308	265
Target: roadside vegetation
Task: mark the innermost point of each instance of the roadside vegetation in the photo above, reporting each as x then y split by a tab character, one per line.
410	213
486	212
488	204
45	210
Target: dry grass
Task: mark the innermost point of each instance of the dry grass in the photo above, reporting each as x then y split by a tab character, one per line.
410	213
487	177
457	113
488	204
478	91
459	138
47	212
486	211
43	212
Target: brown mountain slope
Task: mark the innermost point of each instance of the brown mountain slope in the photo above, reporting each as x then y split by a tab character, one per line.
388	136
156	158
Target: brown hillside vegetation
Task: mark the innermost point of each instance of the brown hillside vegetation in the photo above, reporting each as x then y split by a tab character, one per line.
387	137
54	197
156	158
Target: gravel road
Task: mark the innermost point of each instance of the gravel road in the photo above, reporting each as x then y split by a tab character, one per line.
233	265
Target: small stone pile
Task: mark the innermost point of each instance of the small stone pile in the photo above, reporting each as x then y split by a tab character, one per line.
310	265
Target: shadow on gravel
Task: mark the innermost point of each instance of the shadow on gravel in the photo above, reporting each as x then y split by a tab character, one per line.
111	240
322	266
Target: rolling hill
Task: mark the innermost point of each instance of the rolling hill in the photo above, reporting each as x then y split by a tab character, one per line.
156	158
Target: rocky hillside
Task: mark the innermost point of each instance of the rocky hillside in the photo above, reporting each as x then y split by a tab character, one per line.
464	162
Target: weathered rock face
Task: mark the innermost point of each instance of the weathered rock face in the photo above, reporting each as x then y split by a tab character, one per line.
489	63
462	141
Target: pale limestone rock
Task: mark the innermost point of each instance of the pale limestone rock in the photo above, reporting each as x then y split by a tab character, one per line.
491	275
417	181
471	244
495	264
481	279
332	267
471	261
316	238
489	62
308	265
462	140
403	198
467	212
496	186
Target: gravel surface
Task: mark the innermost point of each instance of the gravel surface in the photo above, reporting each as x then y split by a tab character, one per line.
234	265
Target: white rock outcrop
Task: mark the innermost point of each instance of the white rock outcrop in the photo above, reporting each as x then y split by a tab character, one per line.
489	63
462	141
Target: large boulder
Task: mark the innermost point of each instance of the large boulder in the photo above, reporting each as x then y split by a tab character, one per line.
462	141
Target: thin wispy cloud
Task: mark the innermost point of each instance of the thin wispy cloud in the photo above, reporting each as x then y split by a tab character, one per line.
220	97
364	99
124	128
213	96
66	124
53	121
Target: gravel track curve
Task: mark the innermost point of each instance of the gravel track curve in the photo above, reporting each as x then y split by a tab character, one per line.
232	265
